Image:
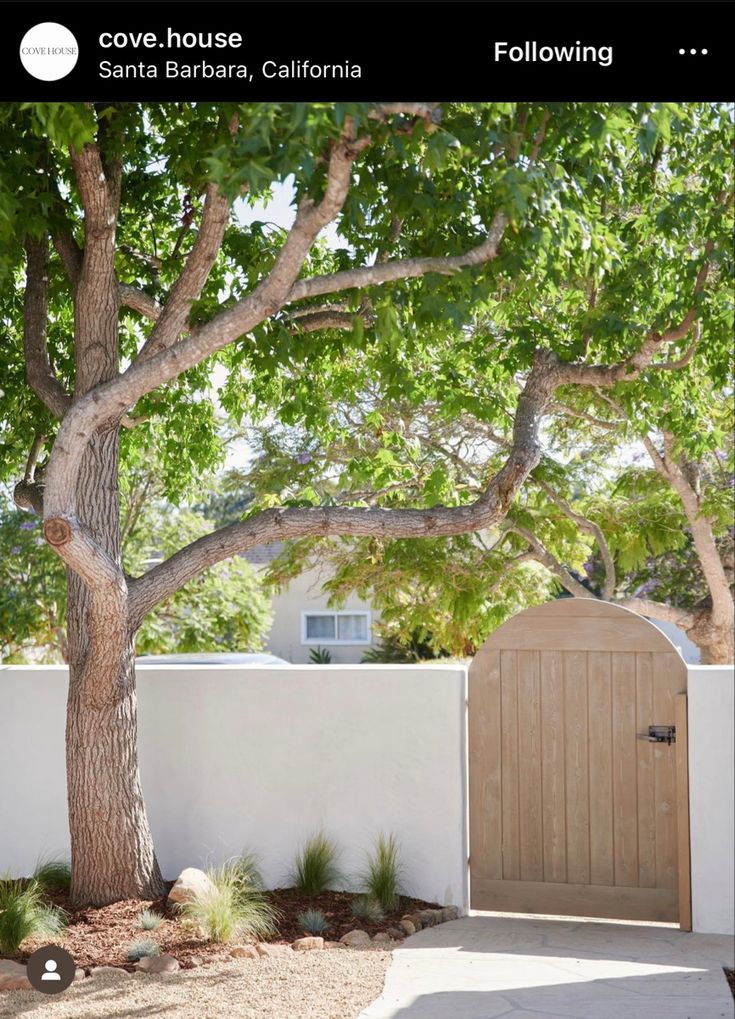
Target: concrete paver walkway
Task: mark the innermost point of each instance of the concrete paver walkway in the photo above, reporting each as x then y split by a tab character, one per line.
488	966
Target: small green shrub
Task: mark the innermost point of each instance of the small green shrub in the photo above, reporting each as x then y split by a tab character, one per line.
236	907
320	656
313	921
315	867
24	914
53	874
149	920
367	909
383	876
146	948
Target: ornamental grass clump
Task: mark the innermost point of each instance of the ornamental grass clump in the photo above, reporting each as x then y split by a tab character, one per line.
150	920
235	908
313	921
53	874
24	914
382	879
315	867
146	948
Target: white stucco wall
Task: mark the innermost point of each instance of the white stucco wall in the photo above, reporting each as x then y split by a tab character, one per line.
305	593
261	758
712	797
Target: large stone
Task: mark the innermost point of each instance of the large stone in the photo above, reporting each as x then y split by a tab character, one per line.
396	934
382	938
427	917
450	913
307	944
13	976
407	926
415	919
114	972
191	885
355	939
263	950
158	964
245	952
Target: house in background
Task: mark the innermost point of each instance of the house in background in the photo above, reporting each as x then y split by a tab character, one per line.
302	620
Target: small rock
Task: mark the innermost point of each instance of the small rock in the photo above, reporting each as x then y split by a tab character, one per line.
407	926
158	964
395	934
109	971
450	913
196	961
355	939
79	974
334	944
244	952
190	885
13	976
382	938
307	944
416	921
263	950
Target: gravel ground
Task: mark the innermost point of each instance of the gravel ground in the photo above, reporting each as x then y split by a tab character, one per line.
328	984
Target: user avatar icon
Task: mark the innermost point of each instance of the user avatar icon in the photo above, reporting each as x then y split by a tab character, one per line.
50	966
51	969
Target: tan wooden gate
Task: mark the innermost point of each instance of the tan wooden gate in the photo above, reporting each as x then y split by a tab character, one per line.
570	812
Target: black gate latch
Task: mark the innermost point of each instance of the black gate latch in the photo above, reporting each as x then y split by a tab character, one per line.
659	734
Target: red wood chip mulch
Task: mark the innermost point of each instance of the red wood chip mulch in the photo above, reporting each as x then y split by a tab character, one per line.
102	936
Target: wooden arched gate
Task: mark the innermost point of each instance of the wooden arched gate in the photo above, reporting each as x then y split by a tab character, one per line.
574	809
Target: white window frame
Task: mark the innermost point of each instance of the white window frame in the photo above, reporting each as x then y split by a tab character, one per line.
323	642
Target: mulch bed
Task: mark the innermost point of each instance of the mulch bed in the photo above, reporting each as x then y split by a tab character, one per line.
102	936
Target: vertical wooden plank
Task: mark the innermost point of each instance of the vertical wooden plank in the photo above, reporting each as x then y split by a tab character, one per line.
602	867
510	791
552	756
682	813
485	767
529	761
625	809
646	776
575	767
666	671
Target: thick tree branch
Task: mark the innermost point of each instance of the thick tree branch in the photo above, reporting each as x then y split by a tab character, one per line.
138	300
188	287
668	466
401	269
659	610
286	524
39	373
110	400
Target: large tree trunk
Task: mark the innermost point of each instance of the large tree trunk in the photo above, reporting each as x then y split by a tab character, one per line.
111	845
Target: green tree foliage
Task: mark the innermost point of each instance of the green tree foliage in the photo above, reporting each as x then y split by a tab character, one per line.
224	609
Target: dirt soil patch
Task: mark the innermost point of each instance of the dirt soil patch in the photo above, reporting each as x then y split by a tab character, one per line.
102	936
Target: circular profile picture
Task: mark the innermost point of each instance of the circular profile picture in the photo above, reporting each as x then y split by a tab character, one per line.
49	51
51	969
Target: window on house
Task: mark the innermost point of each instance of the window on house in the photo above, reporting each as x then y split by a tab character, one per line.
335	627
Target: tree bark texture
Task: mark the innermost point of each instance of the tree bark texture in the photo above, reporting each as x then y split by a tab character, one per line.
111	843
